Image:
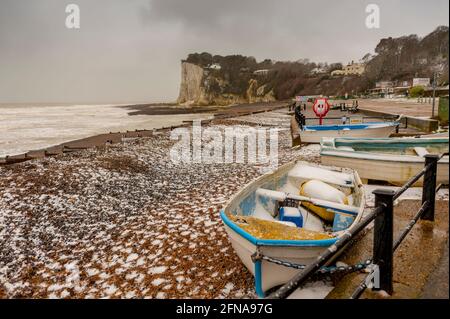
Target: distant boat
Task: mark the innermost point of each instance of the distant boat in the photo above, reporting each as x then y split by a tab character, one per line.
314	133
256	220
394	160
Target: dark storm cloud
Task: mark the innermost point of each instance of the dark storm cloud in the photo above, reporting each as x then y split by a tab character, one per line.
210	14
130	50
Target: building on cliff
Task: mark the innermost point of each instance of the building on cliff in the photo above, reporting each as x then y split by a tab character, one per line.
261	72
350	69
214	66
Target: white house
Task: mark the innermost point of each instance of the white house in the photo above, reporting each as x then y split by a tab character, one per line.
214	66
421	81
261	72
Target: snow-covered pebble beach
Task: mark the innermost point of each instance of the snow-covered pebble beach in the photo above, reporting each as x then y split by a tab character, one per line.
125	222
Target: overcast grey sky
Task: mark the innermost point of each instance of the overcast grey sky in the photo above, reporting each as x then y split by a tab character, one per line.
130	50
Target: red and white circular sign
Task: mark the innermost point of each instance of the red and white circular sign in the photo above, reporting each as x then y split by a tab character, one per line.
321	107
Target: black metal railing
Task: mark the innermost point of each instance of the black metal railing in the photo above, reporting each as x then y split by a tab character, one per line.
384	245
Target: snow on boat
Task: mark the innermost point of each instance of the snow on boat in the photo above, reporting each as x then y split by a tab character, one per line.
314	133
395	160
442	134
293	215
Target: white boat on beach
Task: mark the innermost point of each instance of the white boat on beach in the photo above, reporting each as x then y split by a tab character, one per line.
442	134
314	133
293	214
395	160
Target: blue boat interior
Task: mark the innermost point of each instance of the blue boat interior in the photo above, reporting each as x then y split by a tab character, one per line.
339	127
250	203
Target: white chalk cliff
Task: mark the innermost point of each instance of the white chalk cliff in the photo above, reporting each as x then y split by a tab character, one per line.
201	86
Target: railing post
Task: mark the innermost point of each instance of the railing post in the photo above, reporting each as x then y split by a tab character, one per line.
429	186
384	238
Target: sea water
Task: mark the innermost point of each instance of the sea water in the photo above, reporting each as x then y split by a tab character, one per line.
30	127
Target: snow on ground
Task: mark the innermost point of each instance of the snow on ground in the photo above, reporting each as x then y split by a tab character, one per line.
126	222
277	118
122	222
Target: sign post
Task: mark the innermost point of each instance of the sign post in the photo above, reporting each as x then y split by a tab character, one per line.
321	108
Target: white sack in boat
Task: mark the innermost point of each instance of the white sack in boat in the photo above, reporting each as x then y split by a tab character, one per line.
320	190
310	221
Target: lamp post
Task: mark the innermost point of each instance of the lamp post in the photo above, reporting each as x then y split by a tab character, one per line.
434	94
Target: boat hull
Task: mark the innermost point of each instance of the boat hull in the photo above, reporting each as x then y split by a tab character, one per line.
316	136
268	275
385	159
395	172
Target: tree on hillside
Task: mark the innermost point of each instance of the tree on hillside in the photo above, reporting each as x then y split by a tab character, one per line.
334	66
416	91
405	57
201	59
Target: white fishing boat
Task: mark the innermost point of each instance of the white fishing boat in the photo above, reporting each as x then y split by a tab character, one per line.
395	160
314	133
292	215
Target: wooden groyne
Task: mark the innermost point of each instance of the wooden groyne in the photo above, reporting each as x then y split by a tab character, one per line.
100	140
